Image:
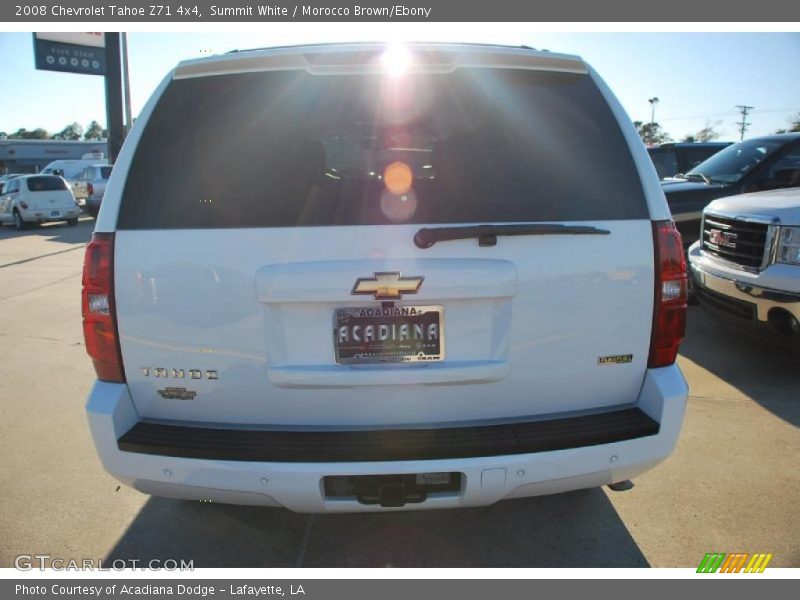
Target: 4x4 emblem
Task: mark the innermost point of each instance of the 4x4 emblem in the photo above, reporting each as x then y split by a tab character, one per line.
387	285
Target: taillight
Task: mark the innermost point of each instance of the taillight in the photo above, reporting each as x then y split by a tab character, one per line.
90	189
99	314
669	314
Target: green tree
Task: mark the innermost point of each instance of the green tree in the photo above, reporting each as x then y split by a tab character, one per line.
708	133
24	134
795	125
94	131
73	131
651	133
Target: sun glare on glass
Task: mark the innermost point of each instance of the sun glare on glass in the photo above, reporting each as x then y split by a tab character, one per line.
396	60
398	178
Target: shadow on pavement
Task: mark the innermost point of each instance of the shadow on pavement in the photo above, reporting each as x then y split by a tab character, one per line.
768	374
577	529
54	232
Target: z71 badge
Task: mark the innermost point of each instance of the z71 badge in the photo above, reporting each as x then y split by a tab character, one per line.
177	393
617	359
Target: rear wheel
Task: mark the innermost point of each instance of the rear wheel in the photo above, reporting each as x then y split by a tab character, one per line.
72	222
92	212
19	222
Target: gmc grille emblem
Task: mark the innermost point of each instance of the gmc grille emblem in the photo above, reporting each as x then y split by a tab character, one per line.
725	239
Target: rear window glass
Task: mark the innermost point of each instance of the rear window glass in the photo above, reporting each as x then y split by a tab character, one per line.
105	172
45	183
284	149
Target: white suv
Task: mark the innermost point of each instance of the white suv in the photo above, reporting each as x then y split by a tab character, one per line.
351	277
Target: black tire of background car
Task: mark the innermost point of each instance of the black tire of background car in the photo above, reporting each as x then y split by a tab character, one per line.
19	223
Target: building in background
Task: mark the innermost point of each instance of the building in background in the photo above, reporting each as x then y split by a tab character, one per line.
31	156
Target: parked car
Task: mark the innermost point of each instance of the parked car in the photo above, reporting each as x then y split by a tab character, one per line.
672	159
34	199
90	187
746	267
315	324
757	164
72	169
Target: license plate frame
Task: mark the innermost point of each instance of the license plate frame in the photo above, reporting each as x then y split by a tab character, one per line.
392	349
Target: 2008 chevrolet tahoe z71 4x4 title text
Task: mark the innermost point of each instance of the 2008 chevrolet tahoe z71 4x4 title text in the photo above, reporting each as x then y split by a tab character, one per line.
352	277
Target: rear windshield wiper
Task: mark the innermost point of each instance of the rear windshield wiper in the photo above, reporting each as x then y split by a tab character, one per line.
487	234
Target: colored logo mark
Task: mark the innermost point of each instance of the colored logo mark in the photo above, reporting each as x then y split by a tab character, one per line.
719	562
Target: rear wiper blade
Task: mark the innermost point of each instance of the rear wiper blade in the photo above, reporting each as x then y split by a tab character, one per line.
487	234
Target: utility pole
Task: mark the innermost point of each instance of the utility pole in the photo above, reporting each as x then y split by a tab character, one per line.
114	103
744	124
126	82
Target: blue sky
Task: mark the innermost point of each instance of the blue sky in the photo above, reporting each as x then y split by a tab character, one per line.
699	78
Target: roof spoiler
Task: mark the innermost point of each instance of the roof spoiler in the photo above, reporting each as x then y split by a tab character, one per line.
345	59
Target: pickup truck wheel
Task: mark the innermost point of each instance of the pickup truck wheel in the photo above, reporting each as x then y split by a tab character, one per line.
19	223
92	212
72	222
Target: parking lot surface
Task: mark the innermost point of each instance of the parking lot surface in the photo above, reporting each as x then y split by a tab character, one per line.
732	485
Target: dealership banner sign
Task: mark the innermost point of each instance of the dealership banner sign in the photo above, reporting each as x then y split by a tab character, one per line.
70	52
198	11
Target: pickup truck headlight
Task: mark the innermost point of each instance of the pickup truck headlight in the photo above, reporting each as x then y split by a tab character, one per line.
789	246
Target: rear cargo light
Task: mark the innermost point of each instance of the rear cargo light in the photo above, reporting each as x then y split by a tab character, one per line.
99	315
669	313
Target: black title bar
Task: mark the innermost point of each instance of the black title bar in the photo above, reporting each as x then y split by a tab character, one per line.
198	11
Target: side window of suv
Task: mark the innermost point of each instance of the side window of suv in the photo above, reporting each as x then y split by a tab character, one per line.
784	173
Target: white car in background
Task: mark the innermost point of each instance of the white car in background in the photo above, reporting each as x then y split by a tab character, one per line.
90	187
746	266
33	199
72	169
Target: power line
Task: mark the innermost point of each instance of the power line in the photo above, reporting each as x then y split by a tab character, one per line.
743	109
727	114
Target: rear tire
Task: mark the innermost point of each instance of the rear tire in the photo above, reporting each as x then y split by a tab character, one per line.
19	222
72	222
92	212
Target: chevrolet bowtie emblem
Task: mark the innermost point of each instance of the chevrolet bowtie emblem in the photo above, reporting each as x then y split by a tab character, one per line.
387	286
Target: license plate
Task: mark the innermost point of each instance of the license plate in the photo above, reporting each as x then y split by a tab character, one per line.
398	334
55	213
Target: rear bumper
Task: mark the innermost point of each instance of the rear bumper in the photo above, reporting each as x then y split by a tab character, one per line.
298	485
42	216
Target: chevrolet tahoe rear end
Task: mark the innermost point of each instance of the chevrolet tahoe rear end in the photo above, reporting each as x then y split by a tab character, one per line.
352	277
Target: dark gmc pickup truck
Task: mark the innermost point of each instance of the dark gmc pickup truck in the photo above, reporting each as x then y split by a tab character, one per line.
758	164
